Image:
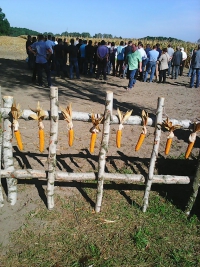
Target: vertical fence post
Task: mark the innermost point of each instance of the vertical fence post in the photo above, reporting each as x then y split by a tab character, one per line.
52	146
154	153
7	151
104	148
1	191
195	188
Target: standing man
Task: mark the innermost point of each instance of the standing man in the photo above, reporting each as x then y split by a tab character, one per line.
89	55
134	60
59	58
102	59
73	60
42	52
50	44
170	52
83	58
120	58
176	62
127	50
184	57
195	68
151	65
28	43
157	62
144	60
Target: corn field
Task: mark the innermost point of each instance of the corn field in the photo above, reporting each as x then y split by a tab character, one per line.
188	47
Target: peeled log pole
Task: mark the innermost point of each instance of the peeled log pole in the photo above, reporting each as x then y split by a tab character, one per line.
7	151
84	116
154	151
91	176
195	188
104	148
52	146
1	191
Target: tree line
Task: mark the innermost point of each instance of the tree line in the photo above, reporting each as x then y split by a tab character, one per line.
160	38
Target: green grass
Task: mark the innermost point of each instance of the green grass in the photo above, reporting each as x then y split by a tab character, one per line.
120	235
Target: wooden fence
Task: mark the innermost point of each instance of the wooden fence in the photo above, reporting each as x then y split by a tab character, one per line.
52	175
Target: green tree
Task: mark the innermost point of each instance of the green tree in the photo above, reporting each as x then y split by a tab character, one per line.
98	35
85	35
4	24
14	31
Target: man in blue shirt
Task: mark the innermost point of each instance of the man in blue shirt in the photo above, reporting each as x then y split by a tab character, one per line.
83	59
40	50
151	65
120	58
102	59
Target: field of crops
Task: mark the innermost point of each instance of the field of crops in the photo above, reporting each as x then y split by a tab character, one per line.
188	47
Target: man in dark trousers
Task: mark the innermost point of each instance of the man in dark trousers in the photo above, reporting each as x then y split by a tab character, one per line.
89	56
102	59
73	60
176	62
42	52
28	43
195	68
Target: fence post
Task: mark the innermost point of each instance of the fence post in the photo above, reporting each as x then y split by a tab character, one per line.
7	151
104	148
1	191
154	151
52	146
195	188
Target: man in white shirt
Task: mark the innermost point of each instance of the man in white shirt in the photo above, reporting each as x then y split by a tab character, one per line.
170	52
184	57
77	41
144	60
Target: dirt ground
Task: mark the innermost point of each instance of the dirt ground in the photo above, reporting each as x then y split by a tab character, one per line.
88	95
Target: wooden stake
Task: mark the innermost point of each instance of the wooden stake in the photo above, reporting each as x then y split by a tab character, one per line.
1	191
7	151
104	148
195	188
52	146
154	151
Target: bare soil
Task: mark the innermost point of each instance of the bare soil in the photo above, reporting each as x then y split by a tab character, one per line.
88	95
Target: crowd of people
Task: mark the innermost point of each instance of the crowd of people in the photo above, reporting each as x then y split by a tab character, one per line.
127	60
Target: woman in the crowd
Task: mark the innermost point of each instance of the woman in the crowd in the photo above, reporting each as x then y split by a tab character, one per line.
163	64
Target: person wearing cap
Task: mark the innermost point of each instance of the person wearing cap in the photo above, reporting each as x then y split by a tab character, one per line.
195	68
134	60
184	57
176	62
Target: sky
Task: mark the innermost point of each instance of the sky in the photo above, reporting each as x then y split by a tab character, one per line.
129	18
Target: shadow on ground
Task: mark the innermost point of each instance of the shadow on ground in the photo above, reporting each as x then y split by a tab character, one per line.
178	195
